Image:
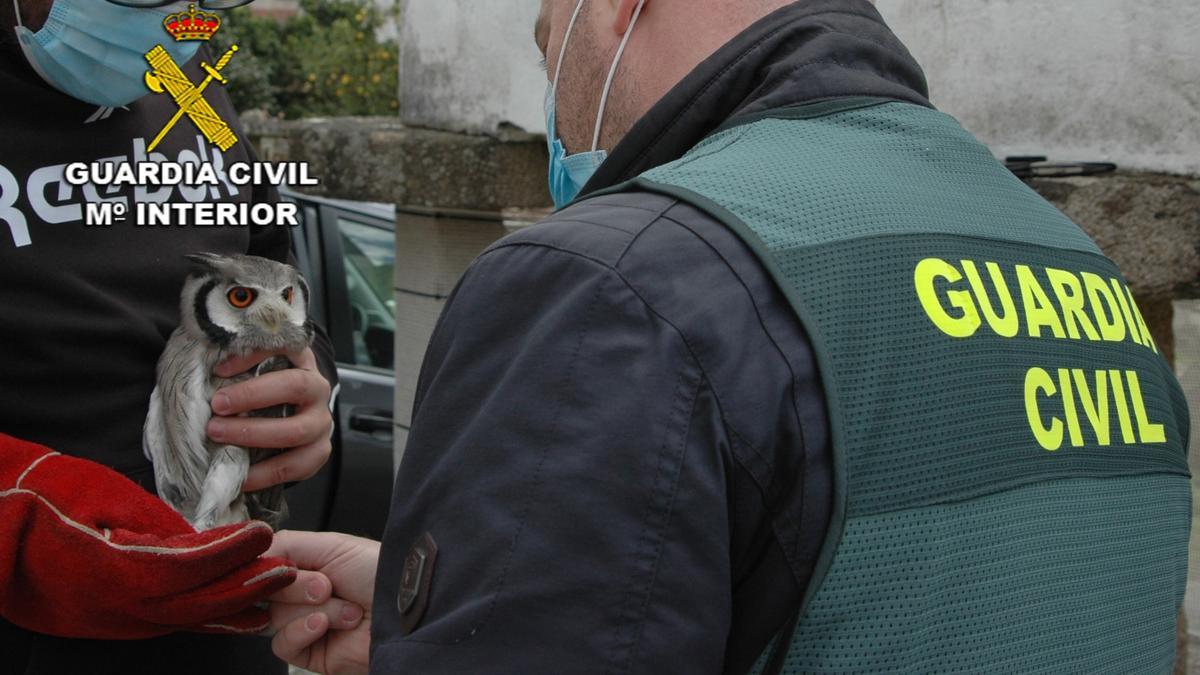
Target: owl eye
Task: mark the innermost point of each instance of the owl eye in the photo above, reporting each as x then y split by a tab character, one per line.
241	297
287	295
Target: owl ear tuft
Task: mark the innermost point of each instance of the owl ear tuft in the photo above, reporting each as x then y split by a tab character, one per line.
206	262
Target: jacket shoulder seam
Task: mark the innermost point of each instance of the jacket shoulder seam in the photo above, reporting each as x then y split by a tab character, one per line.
771	486
688	344
660	215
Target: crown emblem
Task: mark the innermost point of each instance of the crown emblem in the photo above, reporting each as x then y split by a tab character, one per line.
192	24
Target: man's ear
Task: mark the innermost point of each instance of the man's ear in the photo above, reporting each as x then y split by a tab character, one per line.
624	15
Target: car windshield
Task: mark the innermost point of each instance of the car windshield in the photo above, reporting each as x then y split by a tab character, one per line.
370	252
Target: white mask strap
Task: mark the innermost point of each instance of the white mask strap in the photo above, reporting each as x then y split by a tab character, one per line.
17	12
612	72
561	52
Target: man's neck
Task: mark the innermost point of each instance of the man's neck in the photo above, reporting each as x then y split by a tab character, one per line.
793	56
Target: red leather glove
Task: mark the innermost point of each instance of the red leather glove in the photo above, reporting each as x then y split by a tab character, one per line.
86	553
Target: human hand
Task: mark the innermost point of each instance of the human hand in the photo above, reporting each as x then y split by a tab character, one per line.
305	436
305	637
86	553
312	593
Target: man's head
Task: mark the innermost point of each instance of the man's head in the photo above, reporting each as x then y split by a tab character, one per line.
670	39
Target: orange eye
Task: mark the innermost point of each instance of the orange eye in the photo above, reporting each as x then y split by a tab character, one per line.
241	297
287	295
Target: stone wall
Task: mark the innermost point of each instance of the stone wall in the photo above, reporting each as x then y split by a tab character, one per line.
379	159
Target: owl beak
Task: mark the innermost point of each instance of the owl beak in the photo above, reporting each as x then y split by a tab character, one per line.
273	319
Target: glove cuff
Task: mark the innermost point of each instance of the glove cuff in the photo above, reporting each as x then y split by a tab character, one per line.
18	459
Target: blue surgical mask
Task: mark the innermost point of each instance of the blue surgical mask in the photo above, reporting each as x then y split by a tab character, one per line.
569	173
94	51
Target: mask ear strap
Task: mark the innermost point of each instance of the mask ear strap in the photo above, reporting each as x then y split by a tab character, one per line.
612	72
17	12
563	51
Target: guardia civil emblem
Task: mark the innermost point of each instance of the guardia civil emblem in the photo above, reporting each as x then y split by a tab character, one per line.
167	77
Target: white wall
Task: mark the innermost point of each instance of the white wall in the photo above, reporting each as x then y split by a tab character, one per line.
470	65
1079	79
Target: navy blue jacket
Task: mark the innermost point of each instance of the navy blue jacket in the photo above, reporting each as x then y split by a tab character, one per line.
619	442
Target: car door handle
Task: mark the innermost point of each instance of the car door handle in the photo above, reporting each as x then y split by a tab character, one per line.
372	422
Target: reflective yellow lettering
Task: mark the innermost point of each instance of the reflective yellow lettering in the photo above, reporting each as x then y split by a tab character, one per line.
1068	399
1147	339
1147	430
1095	407
1006	325
1119	290
1122	407
1050	438
1071	299
1103	306
927	273
1038	310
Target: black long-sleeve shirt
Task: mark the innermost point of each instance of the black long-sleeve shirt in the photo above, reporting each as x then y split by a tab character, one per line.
85	313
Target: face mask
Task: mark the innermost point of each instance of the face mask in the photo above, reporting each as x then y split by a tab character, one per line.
569	173
94	51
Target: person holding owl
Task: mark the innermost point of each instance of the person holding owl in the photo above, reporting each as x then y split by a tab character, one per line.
96	575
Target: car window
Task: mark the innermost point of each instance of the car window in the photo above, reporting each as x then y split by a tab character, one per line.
370	253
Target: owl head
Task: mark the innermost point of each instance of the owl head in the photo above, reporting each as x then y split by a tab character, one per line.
243	303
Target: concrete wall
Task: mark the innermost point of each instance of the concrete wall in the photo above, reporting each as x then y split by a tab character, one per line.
1090	79
470	65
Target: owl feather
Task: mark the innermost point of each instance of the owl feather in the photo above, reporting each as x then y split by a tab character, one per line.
230	306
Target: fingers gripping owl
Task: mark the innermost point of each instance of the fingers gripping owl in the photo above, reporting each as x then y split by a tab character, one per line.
230	306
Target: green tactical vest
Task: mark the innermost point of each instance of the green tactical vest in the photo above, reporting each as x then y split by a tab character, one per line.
1012	488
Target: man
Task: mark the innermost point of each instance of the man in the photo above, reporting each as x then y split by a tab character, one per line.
802	381
86	313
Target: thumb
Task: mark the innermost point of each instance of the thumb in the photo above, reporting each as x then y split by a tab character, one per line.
309	550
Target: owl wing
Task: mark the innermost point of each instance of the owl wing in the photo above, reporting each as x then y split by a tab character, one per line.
174	437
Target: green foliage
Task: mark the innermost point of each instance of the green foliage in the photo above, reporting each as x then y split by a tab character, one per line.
326	61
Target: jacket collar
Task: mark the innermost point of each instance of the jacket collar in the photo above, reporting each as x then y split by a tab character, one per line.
809	51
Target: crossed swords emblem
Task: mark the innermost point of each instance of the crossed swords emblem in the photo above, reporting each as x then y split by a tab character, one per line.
167	77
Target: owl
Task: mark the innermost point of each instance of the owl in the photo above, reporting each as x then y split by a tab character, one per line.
230	306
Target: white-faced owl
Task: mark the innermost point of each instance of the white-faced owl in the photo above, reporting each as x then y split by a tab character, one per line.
230	306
